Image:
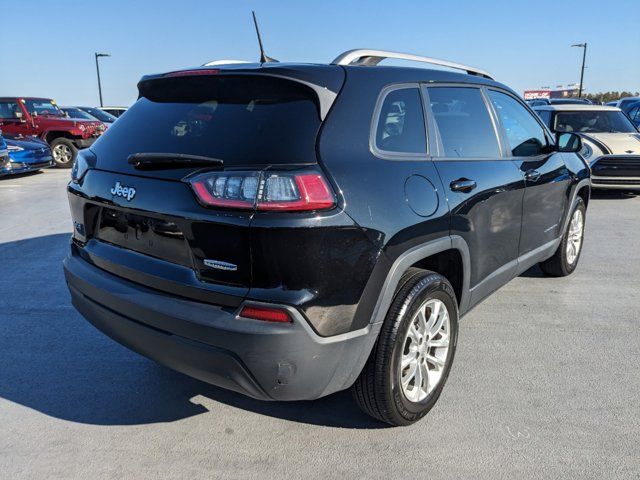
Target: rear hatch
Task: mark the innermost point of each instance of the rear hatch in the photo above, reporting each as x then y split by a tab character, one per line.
144	222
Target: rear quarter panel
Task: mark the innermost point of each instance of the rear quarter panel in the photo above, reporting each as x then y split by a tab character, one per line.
374	188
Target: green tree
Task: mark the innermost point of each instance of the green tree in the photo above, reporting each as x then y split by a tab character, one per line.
611	96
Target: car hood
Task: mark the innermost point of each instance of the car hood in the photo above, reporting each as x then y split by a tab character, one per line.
26	143
46	119
617	143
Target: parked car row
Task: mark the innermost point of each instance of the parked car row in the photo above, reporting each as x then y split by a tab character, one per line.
630	106
626	104
537	102
63	131
89	113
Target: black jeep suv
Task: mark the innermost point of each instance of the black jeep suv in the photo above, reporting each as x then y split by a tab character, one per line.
291	230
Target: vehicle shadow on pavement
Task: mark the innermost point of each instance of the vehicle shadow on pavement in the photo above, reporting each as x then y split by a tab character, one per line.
613	195
55	362
14	176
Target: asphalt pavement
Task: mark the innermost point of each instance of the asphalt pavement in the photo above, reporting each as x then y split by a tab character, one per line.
545	384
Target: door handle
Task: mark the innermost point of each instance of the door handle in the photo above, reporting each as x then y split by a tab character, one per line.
463	185
532	175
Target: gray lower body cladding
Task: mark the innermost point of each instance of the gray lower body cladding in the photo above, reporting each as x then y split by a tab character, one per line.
211	343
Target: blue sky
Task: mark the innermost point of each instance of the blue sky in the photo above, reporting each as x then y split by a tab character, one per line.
47	46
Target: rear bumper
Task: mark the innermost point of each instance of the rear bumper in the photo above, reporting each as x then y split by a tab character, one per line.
211	343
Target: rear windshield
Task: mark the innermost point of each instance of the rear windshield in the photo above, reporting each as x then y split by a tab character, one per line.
241	120
593	121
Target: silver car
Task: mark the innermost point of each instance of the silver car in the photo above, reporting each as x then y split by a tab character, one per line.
610	141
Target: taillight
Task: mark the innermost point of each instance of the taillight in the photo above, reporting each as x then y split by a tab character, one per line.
283	191
266	314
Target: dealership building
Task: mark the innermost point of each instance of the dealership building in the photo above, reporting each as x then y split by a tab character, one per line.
546	92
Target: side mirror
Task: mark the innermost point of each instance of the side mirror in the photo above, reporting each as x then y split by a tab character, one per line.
568	142
20	116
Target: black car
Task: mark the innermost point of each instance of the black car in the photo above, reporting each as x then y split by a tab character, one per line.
75	112
291	230
103	116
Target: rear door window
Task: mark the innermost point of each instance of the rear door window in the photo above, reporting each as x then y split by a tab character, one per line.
463	122
400	129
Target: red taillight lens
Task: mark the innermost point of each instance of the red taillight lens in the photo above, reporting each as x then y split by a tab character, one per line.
266	314
308	191
281	191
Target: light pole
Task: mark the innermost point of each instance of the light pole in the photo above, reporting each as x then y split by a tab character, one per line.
584	56
98	55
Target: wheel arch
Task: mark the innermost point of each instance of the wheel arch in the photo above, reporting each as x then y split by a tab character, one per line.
448	256
51	135
423	254
584	192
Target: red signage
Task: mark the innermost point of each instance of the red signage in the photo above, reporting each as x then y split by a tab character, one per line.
532	94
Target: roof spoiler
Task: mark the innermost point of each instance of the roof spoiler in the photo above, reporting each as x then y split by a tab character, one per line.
325	96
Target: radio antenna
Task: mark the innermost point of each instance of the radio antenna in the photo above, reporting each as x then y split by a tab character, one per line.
263	57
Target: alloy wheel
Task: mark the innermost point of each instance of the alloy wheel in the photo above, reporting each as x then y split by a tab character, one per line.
425	350
574	240
62	153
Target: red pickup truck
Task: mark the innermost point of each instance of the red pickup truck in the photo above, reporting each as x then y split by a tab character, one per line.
41	117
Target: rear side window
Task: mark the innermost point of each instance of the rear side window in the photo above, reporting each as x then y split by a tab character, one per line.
525	135
401	128
463	122
242	120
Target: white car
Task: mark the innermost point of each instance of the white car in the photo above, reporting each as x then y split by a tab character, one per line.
610	141
115	111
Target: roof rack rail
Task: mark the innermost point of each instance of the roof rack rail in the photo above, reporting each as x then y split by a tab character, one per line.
369	57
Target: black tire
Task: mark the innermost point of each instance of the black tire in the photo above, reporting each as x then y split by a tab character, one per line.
558	265
64	152
377	390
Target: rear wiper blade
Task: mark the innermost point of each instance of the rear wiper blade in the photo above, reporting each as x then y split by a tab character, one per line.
171	160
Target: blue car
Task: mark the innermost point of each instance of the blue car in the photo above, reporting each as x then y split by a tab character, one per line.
634	113
26	154
4	154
